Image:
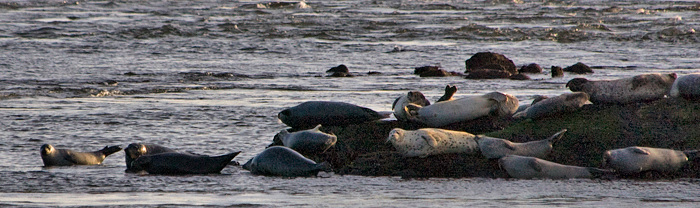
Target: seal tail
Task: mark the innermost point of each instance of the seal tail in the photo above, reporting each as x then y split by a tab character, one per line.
324	166
692	154
600	173
110	150
554	138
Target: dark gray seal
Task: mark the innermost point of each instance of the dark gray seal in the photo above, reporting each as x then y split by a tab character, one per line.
564	103
636	159
65	157
640	88
687	87
174	163
307	142
530	167
327	113
136	150
283	161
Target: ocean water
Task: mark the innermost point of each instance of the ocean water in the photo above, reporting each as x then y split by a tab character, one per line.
210	77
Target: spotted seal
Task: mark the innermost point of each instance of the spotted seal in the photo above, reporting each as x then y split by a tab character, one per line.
636	159
522	167
327	113
65	157
463	109
283	161
640	88
174	163
564	103
431	141
399	105
687	87
494	148
307	142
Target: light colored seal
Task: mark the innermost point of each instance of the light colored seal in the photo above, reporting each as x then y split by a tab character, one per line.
136	150
283	161
174	163
463	109
494	148
687	87
640	88
564	103
399	105
636	159
522	167
431	141
65	157
327	113
307	142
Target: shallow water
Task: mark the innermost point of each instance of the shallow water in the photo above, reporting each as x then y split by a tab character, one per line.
210	76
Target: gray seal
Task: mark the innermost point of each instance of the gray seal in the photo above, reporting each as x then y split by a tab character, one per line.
640	88
494	148
174	163
308	142
564	103
327	113
136	150
65	157
412	97
636	159
522	167
283	161
687	87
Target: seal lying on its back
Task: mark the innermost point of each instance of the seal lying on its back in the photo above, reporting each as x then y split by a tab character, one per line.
635	159
65	157
644	87
327	113
463	109
494	148
564	103
136	150
312	141
430	141
687	87
181	163
399	105
283	161
530	167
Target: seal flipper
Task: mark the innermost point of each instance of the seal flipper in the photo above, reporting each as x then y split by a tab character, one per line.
247	165
110	150
393	105
640	151
692	154
554	138
534	165
324	166
430	140
600	173
449	92
509	145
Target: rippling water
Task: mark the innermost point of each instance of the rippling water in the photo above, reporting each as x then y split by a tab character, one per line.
210	76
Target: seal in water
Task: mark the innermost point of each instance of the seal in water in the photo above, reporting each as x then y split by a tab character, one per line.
636	159
327	113
399	105
307	142
283	161
522	167
431	141
65	157
494	148
564	103
136	150
463	109
175	163
640	88
687	87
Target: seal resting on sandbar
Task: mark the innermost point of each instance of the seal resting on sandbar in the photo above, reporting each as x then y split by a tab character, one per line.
463	109
136	150
687	87
430	141
399	105
174	163
636	159
494	148
640	88
283	161
522	167
564	103
307	142
65	157
327	113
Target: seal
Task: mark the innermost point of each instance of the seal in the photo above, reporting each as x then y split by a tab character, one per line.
636	159
399	105
307	142
463	109
136	150
430	141
450	91
494	148
640	88
174	163
327	113
65	157
522	167
564	103
536	98
283	161
687	87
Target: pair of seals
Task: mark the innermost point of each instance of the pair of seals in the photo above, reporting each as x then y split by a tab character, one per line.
283	161
687	87
636	159
640	88
463	109
181	163
65	157
431	141
327	113
564	103
412	97
494	148
522	167
307	142
136	150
